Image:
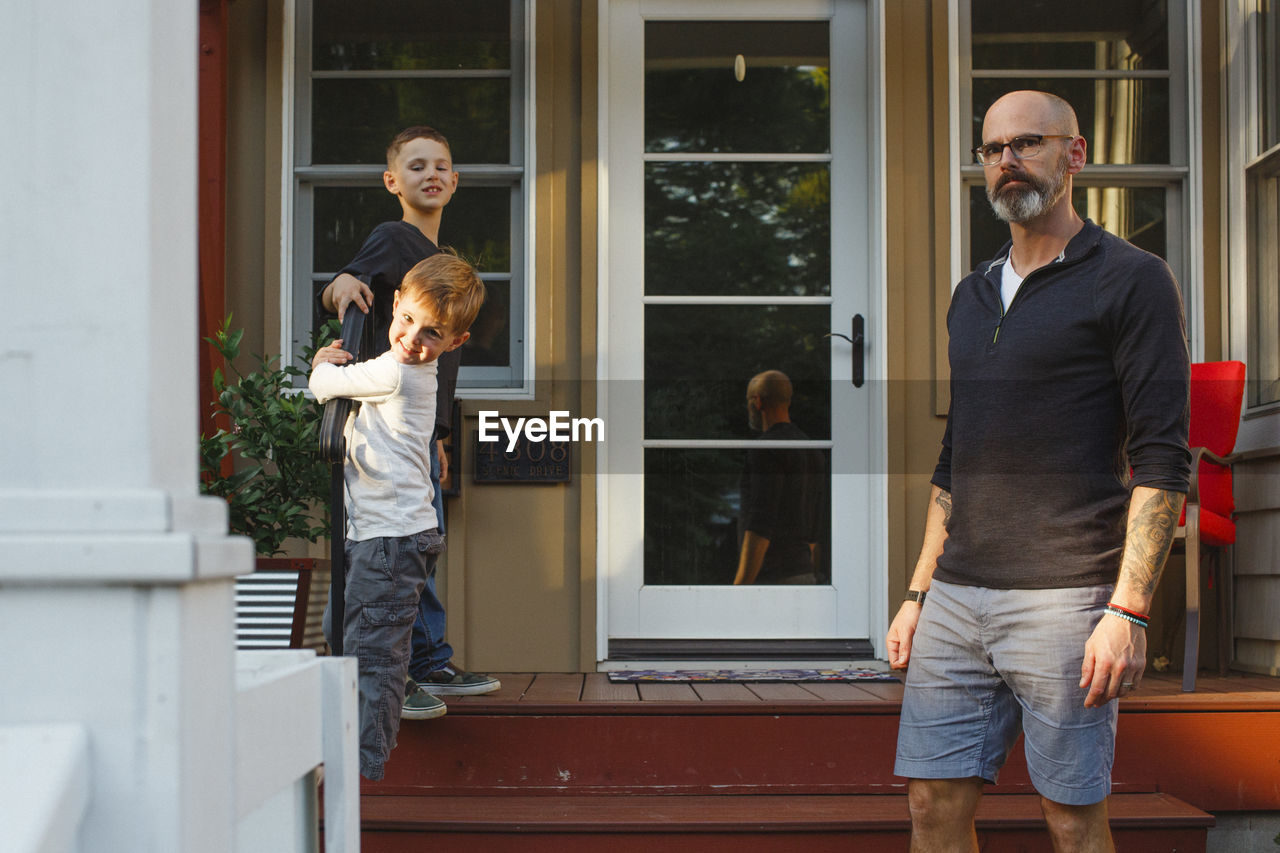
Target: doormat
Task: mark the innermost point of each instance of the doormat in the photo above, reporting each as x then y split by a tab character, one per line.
757	675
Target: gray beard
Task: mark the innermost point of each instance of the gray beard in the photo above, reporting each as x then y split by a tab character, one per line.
755	419
1023	205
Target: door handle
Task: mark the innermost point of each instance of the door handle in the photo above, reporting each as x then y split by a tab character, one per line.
858	340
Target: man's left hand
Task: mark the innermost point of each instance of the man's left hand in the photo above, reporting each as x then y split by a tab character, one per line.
1114	659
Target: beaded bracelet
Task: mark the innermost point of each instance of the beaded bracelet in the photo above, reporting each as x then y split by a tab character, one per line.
1128	615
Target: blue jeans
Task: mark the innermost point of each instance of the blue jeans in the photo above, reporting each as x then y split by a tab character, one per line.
430	651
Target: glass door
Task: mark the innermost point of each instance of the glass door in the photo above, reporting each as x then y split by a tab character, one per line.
738	240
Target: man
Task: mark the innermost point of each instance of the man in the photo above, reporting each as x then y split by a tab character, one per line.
783	492
1041	552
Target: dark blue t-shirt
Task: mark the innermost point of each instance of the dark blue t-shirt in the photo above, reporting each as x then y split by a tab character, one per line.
390	251
1053	401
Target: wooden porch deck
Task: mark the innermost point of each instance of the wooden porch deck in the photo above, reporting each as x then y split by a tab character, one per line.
593	693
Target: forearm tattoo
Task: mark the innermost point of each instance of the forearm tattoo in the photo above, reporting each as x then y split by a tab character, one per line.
944	500
1148	541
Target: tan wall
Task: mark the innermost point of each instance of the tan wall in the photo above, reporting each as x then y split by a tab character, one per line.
1215	305
520	564
918	154
253	171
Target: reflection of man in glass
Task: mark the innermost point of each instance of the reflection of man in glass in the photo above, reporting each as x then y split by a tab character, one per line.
782	493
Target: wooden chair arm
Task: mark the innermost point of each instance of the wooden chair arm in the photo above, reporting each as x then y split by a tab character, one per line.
1203	454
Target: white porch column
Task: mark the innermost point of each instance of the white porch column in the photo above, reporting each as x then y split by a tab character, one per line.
116	601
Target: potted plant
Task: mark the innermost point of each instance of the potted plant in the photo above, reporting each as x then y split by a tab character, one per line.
264	460
263	457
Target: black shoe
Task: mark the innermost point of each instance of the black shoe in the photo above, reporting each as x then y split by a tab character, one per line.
450	680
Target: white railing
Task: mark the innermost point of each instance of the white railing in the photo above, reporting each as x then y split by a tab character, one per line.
44	787
296	712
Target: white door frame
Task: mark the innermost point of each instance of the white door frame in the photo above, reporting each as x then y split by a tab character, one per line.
875	481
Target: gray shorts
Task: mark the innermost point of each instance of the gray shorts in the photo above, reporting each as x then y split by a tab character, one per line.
987	664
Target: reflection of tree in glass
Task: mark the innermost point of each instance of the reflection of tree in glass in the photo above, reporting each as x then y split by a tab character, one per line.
477	223
1139	133
698	360
344	216
395	34
353	120
737	229
691	516
779	110
1142	208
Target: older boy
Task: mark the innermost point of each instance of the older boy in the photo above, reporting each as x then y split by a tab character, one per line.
420	175
392	535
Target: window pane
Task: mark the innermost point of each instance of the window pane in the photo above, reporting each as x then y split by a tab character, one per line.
691	516
402	35
353	120
1123	121
490	343
699	359
477	224
694	102
1094	34
1134	213
1269	74
737	228
692	510
344	216
1264	282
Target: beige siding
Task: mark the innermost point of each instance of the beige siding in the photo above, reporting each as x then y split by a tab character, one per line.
1257	565
917	156
519	582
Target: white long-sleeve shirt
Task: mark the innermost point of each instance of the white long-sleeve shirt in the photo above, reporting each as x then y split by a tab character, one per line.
388	466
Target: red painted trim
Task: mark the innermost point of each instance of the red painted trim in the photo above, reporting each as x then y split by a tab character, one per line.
212	171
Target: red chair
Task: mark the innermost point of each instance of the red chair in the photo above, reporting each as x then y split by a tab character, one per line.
1217	390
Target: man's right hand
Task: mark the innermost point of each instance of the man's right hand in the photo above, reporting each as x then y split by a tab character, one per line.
346	290
901	632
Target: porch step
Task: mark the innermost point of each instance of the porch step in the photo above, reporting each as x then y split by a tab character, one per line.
737	823
565	735
696	754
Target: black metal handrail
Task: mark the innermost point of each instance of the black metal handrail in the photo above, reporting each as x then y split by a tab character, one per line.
333	449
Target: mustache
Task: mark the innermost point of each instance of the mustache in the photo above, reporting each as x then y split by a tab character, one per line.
1008	177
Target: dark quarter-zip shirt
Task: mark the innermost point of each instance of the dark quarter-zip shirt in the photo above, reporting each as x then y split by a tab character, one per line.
1084	377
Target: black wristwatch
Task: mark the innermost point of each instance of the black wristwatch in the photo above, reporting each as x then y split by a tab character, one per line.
916	595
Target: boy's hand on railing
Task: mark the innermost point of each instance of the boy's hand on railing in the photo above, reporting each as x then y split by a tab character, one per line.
346	290
332	354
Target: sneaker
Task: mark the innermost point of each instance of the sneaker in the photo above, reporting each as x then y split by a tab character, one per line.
452	681
419	704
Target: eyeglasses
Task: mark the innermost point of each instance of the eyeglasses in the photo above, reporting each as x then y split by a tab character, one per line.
1023	147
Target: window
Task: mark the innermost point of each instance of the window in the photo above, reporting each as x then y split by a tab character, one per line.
1262	209
363	72
1122	65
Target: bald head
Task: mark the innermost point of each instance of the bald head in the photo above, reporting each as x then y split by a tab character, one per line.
772	387
1037	112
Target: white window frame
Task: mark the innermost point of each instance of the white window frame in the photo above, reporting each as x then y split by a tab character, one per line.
515	382
1181	178
1243	152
